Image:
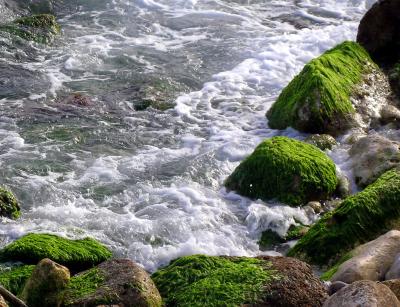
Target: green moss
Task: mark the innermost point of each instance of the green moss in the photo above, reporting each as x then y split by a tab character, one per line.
8	205
358	219
291	171
39	28
295	232
75	254
14	279
83	285
213	281
332	271
322	91
270	238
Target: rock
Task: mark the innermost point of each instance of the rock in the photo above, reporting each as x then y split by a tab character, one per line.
363	293
45	284
8	205
394	270
343	188
77	99
358	219
341	89
14	278
336	286
370	261
372	156
295	232
239	281
119	282
75	254
41	28
291	171
316	206
322	141
394	285
270	238
379	31
3	303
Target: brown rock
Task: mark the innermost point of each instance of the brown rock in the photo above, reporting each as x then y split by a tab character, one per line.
379	31
370	261
394	285
124	284
46	282
363	293
298	287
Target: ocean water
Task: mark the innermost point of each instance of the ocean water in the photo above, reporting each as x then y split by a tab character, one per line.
149	183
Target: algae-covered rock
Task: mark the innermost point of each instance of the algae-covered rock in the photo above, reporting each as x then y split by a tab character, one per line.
14	278
119	282
318	100
39	28
9	205
286	169
75	254
200	280
322	141
43	287
358	219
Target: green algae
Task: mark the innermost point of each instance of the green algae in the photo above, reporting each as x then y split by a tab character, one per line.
200	280
318	99
40	28
15	278
75	254
358	219
9	205
286	169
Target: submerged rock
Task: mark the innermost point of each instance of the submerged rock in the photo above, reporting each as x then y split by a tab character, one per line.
239	281
372	156
119	282
39	28
294	172
358	219
14	279
322	141
379	31
370	261
75	254
43	287
8	205
342	88
363	293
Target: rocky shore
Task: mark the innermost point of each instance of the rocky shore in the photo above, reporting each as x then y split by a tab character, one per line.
344	95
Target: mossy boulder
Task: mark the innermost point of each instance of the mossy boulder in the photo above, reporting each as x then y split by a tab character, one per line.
200	280
44	286
322	141
318	100
117	282
75	254
14	278
270	238
358	219
9	205
39	28
286	169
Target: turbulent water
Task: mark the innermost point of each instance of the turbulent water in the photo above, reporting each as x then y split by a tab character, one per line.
149	183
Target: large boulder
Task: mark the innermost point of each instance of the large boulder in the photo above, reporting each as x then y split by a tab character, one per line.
14	278
286	169
363	293
379	31
9	205
372	156
394	270
75	254
342	88
45	284
394	285
370	261
117	282
358	219
200	280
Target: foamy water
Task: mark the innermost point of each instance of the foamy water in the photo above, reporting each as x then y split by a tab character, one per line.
149	183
